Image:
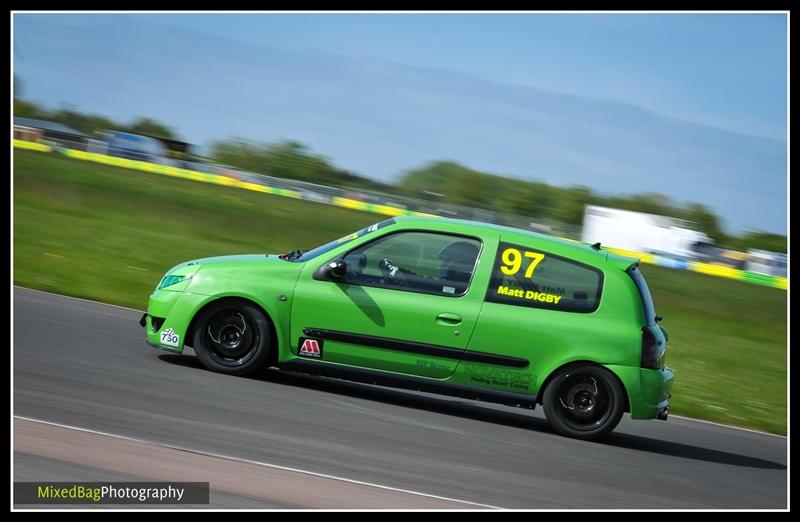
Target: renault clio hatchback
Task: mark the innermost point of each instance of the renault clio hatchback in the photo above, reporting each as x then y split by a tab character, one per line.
466	309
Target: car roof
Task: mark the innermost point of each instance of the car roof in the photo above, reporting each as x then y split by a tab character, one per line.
559	246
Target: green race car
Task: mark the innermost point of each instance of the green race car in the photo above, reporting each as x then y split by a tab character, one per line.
445	306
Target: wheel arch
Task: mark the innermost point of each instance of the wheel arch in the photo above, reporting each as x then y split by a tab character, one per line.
275	338
582	362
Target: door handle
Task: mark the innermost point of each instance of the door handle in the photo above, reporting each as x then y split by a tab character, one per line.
448	319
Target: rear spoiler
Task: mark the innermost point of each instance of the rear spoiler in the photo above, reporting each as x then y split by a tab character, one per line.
622	262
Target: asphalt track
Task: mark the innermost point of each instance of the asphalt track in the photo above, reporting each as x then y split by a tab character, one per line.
86	365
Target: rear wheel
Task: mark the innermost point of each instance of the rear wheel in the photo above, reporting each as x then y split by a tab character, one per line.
233	337
585	402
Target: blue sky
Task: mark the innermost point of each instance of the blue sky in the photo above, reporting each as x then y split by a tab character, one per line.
689	105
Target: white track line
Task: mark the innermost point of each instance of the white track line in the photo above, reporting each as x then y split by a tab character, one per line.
727	426
257	463
77	298
671	415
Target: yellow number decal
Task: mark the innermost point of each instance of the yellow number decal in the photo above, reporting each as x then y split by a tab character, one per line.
536	258
512	261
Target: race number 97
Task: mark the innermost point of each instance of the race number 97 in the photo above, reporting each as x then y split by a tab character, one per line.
512	260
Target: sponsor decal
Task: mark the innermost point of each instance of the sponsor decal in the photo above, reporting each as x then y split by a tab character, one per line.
433	365
310	348
530	295
499	376
169	337
369	229
347	238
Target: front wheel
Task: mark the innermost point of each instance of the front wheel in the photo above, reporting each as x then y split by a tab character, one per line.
584	402
233	337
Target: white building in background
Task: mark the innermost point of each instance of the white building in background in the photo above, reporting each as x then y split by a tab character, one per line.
640	232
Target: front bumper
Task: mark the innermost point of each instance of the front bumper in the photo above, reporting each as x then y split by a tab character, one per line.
168	317
164	348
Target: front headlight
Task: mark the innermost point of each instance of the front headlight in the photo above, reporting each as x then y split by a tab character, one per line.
171	280
178	278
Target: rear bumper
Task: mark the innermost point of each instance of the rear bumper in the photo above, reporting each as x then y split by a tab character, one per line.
648	390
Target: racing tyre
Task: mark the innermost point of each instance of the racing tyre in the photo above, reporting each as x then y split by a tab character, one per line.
584	402
233	337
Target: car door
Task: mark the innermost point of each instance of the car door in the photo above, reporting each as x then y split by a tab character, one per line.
415	321
538	311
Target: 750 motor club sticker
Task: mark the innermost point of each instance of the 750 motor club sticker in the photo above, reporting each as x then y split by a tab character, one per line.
169	337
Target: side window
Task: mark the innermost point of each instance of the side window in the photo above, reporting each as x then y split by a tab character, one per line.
523	276
415	261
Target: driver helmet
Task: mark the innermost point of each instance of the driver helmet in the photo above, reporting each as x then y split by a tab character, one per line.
457	260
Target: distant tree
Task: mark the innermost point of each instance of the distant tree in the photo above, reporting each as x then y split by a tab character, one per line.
238	152
705	220
87	123
27	109
650	203
541	199
756	240
453	183
151	127
71	118
428	182
519	201
288	159
570	204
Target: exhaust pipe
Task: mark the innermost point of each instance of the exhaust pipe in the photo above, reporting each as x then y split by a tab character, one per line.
663	413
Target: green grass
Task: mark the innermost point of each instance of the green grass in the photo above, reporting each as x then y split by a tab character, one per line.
727	345
109	234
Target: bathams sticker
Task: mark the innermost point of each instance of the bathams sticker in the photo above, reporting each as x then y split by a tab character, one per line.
169	337
310	348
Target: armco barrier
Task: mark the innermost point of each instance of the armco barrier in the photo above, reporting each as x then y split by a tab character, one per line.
354	204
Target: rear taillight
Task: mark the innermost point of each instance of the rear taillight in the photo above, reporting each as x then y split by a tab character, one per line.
652	352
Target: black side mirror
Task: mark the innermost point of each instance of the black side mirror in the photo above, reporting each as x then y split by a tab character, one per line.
336	270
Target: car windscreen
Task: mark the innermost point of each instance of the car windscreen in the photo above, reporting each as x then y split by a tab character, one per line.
644	293
311	254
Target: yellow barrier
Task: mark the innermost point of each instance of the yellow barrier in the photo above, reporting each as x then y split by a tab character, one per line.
30	145
254	187
353	204
644	258
388	211
716	270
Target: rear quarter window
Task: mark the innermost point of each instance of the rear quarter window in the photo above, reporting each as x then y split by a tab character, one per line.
523	276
